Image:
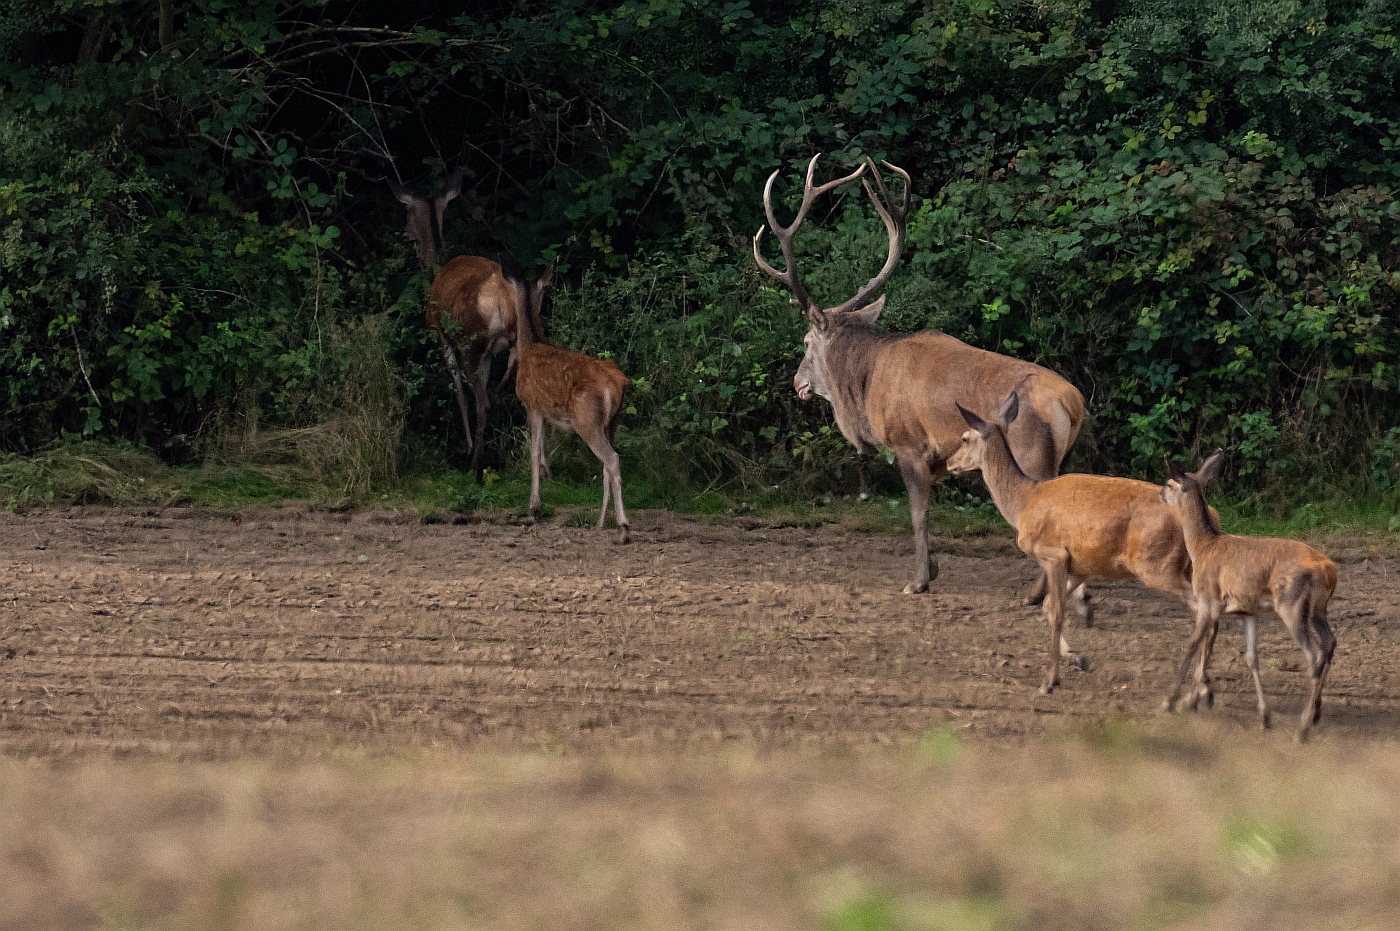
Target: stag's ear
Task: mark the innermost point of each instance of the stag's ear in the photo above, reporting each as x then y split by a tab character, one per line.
1210	467
869	313
973	421
450	189
818	318
1009	409
403	194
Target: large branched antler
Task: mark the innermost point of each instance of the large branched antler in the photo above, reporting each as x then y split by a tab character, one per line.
785	234
894	217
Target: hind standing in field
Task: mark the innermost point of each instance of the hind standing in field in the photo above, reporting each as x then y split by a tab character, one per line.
472	307
1243	575
1076	526
570	390
902	392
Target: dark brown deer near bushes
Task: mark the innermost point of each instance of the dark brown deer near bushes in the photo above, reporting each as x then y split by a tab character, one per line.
472	306
570	390
902	392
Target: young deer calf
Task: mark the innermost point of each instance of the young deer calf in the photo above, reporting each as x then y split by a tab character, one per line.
1076	526
570	390
1241	575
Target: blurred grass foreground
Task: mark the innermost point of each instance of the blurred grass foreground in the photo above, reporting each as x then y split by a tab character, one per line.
1179	824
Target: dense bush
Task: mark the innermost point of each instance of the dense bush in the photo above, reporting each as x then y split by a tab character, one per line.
1186	207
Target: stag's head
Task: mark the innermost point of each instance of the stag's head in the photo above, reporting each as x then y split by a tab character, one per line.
1183	483
812	375
971	452
425	216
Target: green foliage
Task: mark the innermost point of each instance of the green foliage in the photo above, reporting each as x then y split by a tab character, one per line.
1186	207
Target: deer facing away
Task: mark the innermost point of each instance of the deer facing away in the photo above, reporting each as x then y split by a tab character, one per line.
902	391
1243	575
472	308
1076	527
573	391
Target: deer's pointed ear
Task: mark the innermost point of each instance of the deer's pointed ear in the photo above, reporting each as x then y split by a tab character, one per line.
1210	467
1174	470
870	312
547	275
1009	409
450	188
818	318
973	421
402	194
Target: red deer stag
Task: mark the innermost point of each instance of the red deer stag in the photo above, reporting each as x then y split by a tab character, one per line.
1076	526
1243	575
570	390
472	306
901	392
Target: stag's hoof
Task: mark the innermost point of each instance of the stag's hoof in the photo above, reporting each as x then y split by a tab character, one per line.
1167	706
916	588
532	516
1079	661
1265	721
622	535
1046	689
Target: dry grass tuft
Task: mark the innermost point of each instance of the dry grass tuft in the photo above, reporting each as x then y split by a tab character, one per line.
355	450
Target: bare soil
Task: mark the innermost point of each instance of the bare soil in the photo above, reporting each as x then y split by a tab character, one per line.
191	634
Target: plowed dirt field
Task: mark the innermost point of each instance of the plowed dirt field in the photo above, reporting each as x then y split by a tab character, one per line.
205	635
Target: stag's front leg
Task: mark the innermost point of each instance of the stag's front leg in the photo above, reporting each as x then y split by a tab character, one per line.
918	477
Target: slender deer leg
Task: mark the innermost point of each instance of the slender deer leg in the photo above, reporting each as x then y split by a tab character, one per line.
1206	615
536	455
1074	592
607	492
449	355
1251	658
483	404
1328	644
1054	608
918	476
612	481
1201	691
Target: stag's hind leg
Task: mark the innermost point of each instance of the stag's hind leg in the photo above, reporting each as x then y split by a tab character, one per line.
918	477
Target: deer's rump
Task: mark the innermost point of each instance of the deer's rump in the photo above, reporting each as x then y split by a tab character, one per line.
474	293
555	381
